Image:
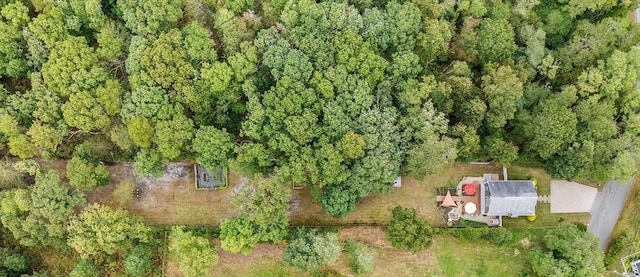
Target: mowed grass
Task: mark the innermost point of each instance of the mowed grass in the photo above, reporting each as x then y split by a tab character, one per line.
376	208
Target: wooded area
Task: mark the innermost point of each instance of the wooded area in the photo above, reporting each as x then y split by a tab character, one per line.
340	96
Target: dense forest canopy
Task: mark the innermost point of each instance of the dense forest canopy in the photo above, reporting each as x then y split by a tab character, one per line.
341	96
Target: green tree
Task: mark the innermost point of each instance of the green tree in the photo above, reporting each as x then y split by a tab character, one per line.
194	254
502	89
308	250
140	131
85	175
84	112
238	235
148	162
198	43
496	40
173	136
502	152
408	231
21	146
568	251
99	230
213	147
38	216
148	18
70	62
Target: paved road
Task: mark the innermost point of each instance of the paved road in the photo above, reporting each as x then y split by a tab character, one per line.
606	209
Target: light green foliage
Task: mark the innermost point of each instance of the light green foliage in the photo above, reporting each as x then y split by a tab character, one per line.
501	151
8	125
361	257
148	162
138	261
50	27
30	167
502	89
84	112
198	43
213	147
239	6
172	136
568	251
110	40
119	135
495	40
149	102
70	63
85	268
21	146
44	137
535	41
166	61
38	216
85	175
37	52
150	17
433	42
123	194
263	204
140	131
99	230
352	145
89	12
308	250
109	96
238	235
434	154
13	63
405	21
16	13
577	7
407	230
194	254
10	177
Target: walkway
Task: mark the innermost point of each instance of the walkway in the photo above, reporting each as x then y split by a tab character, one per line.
606	209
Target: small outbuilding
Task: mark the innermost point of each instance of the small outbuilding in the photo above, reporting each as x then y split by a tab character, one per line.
209	180
508	198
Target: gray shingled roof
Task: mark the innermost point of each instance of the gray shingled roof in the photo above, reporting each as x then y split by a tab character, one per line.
508	198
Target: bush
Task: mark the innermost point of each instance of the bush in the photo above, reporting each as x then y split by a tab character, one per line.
361	258
122	195
16	262
500	236
408	231
85	268
86	175
138	261
30	167
308	250
470	234
9	177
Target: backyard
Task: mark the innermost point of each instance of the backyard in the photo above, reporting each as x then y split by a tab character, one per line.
172	199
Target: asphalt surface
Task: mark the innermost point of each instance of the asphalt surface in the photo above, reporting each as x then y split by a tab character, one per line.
606	209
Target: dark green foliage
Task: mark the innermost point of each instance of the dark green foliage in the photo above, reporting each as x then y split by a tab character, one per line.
409	231
499	235
470	234
568	251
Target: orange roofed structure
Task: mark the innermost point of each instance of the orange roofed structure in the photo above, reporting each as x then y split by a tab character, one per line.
448	201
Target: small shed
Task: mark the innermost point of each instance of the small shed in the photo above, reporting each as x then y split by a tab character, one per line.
205	179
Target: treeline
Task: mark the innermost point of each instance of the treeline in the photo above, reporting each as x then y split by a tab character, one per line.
342	97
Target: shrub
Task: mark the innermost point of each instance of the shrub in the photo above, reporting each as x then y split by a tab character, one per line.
9	177
85	175
470	234
408	231
308	250
85	268
361	258
499	236
138	261
122	195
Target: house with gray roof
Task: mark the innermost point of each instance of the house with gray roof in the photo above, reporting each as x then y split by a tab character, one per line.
508	198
